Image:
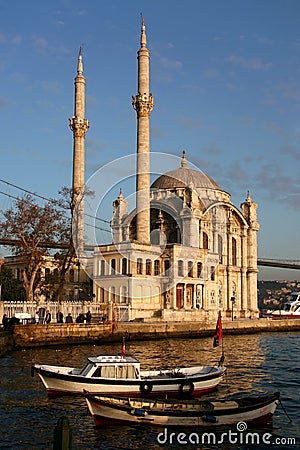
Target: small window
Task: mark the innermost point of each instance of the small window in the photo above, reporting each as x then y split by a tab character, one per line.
124	266
233	251
139	266
113	266
205	240
220	247
97	372
180	268
148	266
190	269
199	269
166	266
156	267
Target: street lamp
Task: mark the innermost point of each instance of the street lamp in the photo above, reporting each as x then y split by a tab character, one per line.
232	299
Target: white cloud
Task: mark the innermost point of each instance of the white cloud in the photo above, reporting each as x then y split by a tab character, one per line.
40	42
189	123
248	63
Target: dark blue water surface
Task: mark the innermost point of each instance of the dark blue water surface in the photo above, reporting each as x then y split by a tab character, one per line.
256	363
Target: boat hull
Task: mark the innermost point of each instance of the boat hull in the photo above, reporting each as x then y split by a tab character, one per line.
285	315
113	412
60	382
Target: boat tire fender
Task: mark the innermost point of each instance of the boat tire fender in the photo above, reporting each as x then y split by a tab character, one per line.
146	387
186	388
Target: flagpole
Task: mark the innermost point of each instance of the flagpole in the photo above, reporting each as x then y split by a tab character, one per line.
219	332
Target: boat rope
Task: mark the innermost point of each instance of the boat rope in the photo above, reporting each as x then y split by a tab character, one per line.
284	410
221	360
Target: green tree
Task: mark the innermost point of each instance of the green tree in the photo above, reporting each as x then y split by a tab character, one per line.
34	228
12	289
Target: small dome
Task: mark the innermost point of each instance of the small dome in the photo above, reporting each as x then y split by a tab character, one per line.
184	177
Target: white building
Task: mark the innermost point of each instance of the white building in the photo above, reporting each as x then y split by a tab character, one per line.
186	251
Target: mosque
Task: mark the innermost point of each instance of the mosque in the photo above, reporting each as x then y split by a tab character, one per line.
185	252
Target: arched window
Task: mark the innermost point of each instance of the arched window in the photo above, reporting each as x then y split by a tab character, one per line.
139	266
233	250
113	266
212	273
205	240
148	266
124	266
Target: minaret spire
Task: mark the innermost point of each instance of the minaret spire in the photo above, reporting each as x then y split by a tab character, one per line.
143	103
79	126
80	65
143	35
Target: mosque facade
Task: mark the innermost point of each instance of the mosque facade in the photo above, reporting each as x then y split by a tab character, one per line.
186	251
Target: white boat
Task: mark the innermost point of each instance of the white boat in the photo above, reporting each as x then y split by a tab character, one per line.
291	309
121	375
108	410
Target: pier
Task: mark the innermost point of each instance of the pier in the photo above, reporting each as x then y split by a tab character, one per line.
32	335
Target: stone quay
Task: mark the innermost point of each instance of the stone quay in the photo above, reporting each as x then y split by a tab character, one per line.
34	335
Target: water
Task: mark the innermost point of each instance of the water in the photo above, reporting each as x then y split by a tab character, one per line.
256	363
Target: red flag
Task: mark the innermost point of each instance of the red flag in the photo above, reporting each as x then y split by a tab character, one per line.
219	333
123	348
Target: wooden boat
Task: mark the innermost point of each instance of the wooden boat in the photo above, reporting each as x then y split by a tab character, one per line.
121	375
109	410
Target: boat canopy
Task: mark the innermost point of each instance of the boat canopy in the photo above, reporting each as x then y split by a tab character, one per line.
110	366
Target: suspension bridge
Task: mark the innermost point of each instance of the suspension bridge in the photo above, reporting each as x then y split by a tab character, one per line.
276	263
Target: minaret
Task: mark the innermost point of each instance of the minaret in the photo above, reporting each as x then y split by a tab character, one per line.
143	103
79	125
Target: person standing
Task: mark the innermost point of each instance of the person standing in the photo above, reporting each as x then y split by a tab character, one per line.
88	317
5	322
47	317
59	317
69	318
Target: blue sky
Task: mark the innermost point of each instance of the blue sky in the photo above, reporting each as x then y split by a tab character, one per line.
225	80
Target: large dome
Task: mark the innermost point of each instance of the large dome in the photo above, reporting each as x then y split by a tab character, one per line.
184	177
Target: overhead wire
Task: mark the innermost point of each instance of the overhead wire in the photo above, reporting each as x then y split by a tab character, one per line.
47	199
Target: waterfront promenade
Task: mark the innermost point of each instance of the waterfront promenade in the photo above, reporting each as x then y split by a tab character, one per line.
30	336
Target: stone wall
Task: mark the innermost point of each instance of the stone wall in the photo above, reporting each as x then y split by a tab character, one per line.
6	342
26	336
33	335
